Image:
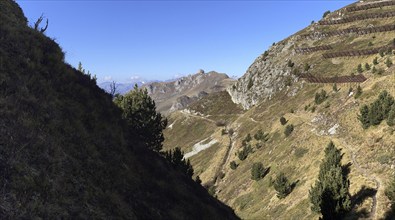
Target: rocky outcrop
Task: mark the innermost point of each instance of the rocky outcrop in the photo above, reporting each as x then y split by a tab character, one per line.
266	76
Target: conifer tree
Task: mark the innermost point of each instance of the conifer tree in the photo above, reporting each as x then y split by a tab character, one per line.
282	186
391	116
364	116
139	111
330	194
257	171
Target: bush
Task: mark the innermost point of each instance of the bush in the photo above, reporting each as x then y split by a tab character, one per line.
381	52
313	109
243	154
375	61
359	68
288	130
290	63
388	62
326	14
306	67
248	138
224	132
320	97
374	70
198	180
233	165
300	152
261	136
367	66
220	123
358	93
334	87
382	108
283	121
257	171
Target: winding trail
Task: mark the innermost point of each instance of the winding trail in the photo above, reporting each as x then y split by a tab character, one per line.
367	175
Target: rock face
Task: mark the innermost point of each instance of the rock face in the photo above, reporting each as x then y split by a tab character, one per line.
267	75
178	94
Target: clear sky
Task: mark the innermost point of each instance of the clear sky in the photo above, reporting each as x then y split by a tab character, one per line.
158	40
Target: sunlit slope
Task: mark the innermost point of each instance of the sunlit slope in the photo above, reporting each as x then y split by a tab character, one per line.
272	88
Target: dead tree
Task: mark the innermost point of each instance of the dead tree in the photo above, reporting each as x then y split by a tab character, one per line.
38	22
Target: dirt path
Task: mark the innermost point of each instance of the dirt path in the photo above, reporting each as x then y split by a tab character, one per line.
367	175
197	116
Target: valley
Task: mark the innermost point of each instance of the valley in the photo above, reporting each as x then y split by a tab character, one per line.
283	82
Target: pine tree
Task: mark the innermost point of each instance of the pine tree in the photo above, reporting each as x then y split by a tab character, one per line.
391	116
359	68
257	171
358	92
330	194
363	117
176	158
376	113
367	66
386	101
139	111
282	186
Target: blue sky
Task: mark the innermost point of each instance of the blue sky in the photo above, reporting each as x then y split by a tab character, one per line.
158	40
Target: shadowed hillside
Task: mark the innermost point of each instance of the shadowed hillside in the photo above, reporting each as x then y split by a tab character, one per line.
66	153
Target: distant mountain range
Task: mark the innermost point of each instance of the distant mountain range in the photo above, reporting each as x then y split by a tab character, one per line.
125	87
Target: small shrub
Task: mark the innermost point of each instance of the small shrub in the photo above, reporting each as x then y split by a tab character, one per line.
370	44
358	93
231	131
367	66
313	109
334	87
248	138
300	152
220	123
326	14
243	154
320	97
261	136
288	130
306	67
198	180
283	121
374	70
388	62
290	63
359	68
224	132
233	165
381	52
375	61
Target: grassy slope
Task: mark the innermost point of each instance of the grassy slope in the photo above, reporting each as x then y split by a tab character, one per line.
300	154
65	151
